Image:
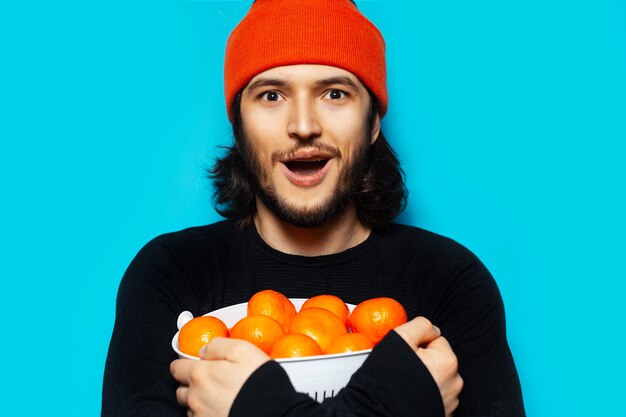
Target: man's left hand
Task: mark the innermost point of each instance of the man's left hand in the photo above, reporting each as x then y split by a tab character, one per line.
209	386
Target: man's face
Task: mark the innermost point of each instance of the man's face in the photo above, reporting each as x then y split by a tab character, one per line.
306	136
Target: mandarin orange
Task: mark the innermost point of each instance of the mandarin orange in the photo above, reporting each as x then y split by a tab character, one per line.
331	303
295	346
350	342
319	324
272	304
199	331
376	316
260	330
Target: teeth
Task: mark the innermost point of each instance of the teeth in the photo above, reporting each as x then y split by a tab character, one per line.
306	165
311	160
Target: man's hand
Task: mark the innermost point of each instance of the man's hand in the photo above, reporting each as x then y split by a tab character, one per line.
437	355
209	386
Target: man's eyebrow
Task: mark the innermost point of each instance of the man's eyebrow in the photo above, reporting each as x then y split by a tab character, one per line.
341	80
267	82
277	82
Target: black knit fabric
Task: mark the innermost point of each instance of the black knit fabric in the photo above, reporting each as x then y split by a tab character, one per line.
401	382
204	268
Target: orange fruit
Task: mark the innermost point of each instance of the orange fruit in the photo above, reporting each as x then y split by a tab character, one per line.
350	342
376	316
199	331
260	330
295	346
319	324
331	303
273	304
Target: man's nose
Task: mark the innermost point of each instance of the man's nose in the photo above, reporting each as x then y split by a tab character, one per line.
304	123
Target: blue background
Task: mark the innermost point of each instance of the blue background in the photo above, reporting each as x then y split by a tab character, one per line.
509	118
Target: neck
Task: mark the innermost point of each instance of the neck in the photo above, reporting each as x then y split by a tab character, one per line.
344	232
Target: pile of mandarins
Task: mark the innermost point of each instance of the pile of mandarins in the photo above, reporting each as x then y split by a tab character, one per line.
324	325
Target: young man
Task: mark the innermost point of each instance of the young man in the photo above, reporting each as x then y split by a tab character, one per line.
310	188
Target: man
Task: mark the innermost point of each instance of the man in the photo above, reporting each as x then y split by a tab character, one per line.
310	188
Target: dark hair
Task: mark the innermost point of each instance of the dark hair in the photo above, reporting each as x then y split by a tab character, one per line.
380	194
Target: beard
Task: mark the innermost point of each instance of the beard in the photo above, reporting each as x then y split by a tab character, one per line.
306	217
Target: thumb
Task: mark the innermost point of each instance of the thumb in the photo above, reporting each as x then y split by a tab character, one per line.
215	349
418	331
232	350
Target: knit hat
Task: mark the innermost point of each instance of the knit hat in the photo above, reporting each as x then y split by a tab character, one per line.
275	33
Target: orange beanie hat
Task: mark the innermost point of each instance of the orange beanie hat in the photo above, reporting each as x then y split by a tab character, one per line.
275	33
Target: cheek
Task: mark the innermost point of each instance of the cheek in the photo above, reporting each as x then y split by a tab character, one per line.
349	128
264	147
261	137
352	142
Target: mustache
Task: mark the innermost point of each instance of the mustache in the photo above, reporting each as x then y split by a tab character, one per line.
278	156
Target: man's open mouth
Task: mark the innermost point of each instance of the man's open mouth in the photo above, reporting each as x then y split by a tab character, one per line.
306	166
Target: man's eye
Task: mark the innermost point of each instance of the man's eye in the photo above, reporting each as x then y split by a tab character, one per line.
335	95
271	96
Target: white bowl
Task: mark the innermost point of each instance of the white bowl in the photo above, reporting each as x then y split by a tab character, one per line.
319	376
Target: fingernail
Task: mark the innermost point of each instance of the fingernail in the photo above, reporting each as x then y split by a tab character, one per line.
438	329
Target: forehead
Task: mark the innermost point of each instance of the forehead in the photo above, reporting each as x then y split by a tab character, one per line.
306	73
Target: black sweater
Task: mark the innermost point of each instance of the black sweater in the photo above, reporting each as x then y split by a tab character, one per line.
204	268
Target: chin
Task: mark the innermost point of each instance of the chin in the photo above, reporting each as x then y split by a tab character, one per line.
311	214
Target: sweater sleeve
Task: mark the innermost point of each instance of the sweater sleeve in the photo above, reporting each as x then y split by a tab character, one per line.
137	381
391	382
470	314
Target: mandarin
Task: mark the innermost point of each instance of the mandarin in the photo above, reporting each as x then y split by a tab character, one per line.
319	324
295	346
260	330
331	303
376	316
199	331
350	342
272	304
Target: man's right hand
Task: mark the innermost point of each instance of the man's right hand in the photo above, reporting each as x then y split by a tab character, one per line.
437	355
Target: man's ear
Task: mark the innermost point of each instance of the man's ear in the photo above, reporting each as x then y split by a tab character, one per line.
375	129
